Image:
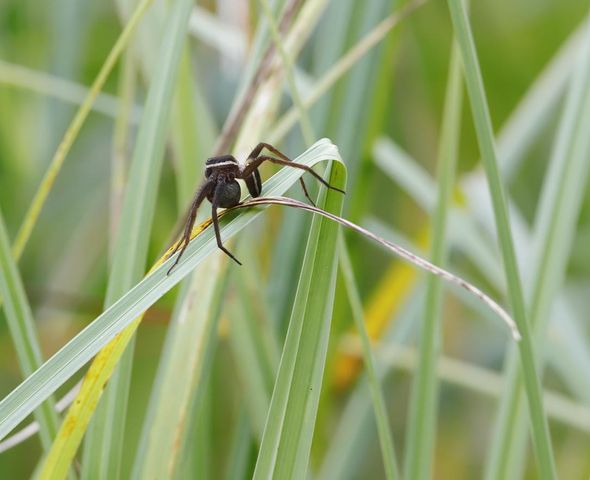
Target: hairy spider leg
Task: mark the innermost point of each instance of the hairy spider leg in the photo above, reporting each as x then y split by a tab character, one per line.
182	244
214	205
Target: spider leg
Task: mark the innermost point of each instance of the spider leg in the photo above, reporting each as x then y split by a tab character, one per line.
256	153
214	205
183	242
254	164
254	184
305	192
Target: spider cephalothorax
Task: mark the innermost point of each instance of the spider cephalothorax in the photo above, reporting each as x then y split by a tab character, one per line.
222	190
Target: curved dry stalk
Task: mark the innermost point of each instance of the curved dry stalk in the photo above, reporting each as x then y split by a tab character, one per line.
25	433
398	250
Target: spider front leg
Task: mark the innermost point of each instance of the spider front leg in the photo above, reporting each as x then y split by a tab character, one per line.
182	244
214	205
254	164
253	180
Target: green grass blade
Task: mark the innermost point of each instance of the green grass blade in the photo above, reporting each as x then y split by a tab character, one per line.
555	227
349	446
381	417
104	445
192	139
305	123
351	121
238	467
71	134
22	330
120	152
286	443
61	366
424	399
181	372
332	38
378	112
473	79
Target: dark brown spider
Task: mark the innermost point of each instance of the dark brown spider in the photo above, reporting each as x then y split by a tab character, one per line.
222	190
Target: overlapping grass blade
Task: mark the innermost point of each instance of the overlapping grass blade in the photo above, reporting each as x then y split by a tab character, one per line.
555	226
183	363
479	380
193	134
468	239
381	417
424	400
319	92
380	412
104	445
291	419
61	366
238	465
482	121
99	373
184	342
292	459
192	141
69	138
120	154
351	441
256	352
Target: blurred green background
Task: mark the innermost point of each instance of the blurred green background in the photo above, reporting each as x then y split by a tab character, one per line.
395	94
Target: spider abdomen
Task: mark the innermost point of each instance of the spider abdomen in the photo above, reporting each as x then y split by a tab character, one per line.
229	194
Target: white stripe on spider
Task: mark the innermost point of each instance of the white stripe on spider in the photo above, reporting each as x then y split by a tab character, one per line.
222	164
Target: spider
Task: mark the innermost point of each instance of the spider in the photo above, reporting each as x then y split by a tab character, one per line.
222	190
